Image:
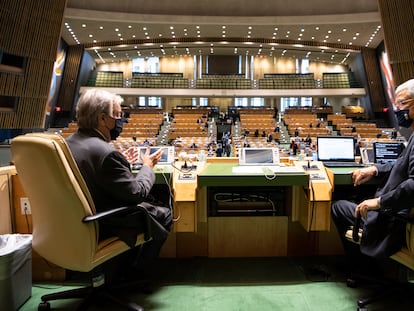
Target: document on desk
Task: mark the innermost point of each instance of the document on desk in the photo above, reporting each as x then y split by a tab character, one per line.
261	169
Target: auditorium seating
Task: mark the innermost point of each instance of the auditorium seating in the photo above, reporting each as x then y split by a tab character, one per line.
287	81
340	80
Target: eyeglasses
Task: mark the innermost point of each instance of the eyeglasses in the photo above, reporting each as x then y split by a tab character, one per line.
402	102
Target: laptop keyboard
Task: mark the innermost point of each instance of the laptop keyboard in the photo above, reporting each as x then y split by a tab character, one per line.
342	164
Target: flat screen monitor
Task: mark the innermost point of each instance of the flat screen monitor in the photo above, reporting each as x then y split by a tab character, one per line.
259	156
335	148
387	152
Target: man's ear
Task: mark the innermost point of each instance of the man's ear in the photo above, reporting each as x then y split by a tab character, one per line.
101	120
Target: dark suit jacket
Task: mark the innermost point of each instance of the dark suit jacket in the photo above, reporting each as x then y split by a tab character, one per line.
383	233
111	183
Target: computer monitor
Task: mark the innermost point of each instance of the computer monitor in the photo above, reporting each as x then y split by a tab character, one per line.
387	152
259	156
335	148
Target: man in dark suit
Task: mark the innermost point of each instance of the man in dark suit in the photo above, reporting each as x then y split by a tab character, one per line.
383	232
108	174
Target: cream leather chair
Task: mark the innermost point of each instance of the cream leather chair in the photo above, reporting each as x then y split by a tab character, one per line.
405	256
65	228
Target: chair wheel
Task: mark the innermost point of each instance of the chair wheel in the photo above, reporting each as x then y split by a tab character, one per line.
44	306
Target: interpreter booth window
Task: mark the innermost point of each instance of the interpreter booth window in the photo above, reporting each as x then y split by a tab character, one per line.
145	64
12	63
8	103
241	102
201	101
249	102
149	101
256	102
286	102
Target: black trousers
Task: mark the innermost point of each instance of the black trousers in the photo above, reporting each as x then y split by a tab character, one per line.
149	216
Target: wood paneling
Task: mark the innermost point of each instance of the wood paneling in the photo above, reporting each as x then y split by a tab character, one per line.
29	29
68	88
374	85
398	27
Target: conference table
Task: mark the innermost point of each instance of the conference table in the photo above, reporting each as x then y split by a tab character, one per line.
222	212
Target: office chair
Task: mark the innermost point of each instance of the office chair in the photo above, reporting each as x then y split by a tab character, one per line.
65	227
405	257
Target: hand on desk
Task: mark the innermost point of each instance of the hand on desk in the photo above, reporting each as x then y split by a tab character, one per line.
362	175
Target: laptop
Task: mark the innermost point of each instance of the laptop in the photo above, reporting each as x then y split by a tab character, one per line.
256	160
336	151
259	156
167	156
387	152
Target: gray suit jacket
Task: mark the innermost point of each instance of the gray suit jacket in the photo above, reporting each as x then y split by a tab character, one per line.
384	233
111	183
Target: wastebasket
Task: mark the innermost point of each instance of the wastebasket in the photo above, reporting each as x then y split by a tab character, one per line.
15	270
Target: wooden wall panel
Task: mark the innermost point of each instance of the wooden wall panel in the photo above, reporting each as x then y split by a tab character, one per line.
29	29
69	82
398	27
374	83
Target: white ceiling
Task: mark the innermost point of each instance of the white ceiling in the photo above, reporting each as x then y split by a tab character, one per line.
324	30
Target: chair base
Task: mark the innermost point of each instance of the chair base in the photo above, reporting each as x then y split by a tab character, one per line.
94	295
383	289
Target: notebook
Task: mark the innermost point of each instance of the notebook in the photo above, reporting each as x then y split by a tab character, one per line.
387	152
336	151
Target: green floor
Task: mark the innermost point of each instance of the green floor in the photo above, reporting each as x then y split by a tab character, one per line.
240	284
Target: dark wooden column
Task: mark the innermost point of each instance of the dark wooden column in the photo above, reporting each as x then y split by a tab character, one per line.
69	85
398	26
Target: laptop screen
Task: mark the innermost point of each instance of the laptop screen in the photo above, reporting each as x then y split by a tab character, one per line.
387	152
258	156
167	156
335	148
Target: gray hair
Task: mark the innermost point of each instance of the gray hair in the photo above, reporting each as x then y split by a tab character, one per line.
408	86
91	104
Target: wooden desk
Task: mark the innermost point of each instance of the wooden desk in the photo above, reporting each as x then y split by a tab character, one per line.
244	235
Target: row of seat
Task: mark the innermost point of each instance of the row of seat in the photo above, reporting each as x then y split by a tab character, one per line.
176	80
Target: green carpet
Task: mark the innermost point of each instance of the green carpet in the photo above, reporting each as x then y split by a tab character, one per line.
239	284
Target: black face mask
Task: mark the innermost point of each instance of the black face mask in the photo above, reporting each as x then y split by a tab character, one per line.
403	118
119	123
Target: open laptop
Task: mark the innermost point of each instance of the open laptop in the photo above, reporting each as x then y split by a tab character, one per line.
265	160
387	152
336	151
167	157
259	156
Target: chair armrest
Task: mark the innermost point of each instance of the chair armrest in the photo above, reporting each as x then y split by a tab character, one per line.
355	229
107	214
120	210
357	224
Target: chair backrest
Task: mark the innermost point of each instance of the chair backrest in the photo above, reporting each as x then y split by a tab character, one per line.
59	200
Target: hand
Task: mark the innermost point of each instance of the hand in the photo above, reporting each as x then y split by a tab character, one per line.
365	206
131	154
152	159
363	175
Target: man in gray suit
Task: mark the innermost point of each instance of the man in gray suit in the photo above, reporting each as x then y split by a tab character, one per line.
108	174
383	231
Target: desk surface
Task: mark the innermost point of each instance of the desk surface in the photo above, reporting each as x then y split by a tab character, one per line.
343	175
221	174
